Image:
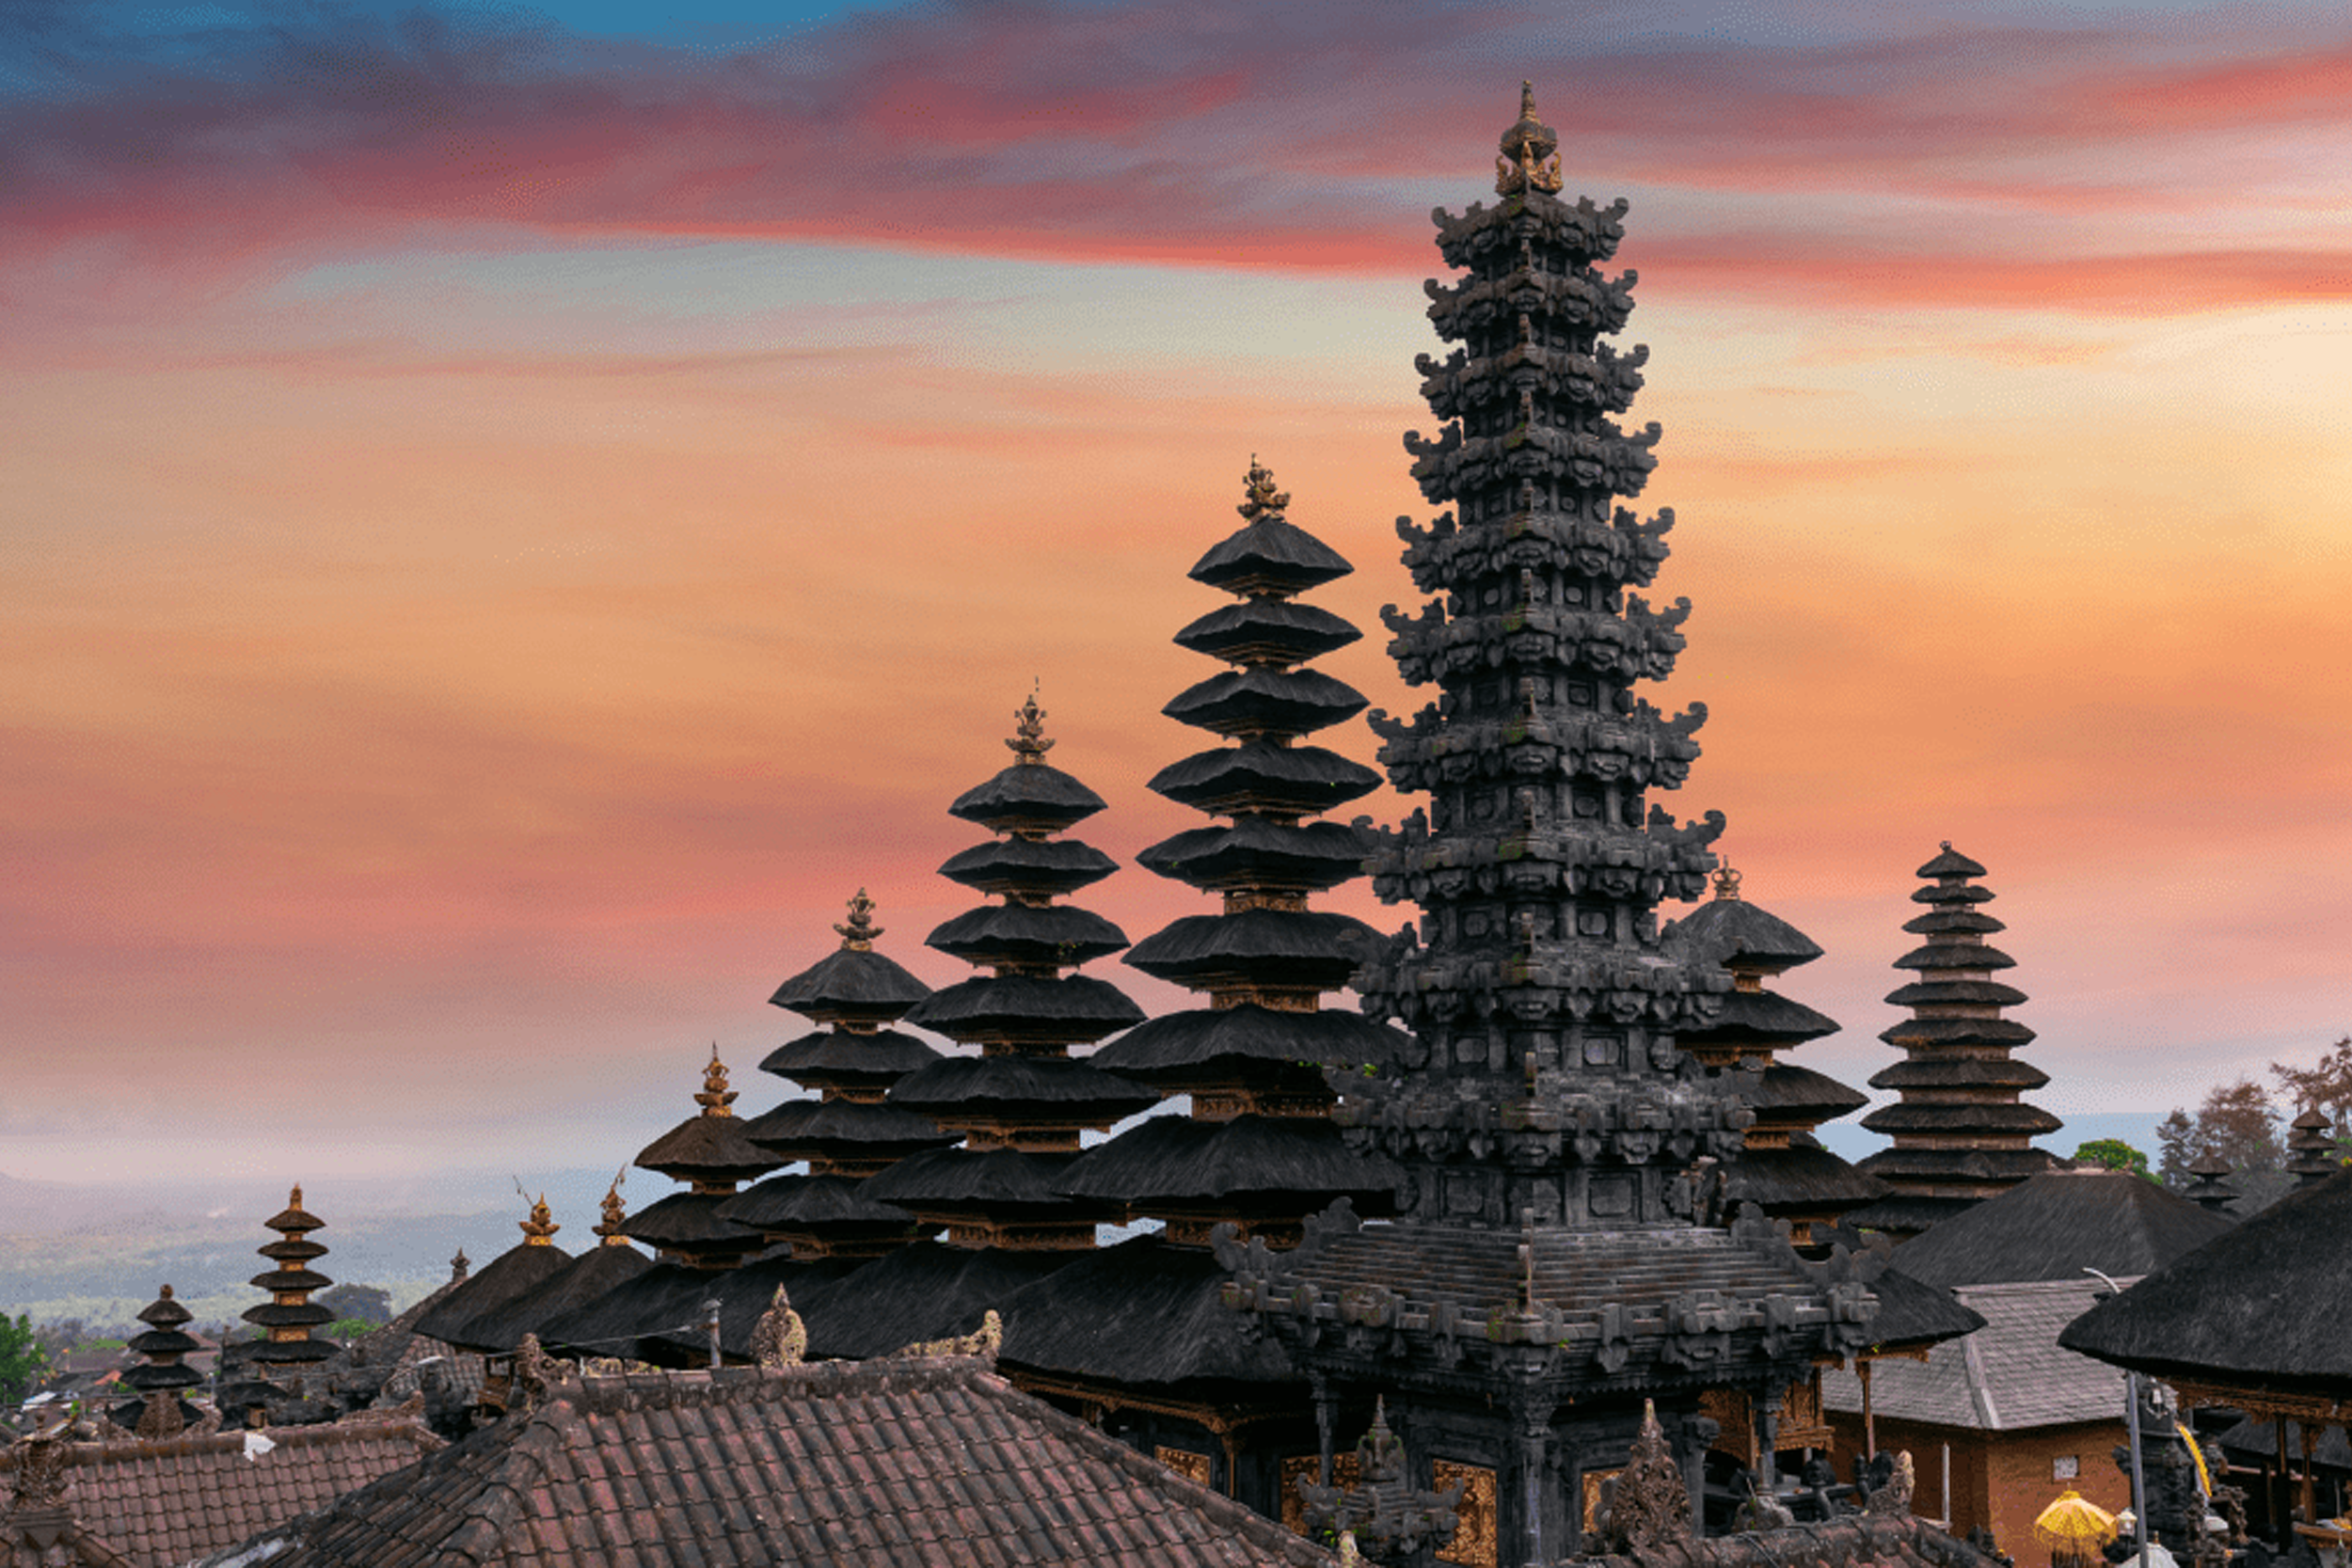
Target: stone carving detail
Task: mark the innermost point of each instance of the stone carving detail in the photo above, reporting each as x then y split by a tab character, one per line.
1647	1504
779	1338
983	1342
1390	1522
40	1471
1894	1498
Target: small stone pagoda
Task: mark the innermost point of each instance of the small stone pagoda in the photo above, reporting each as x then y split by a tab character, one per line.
1962	1132
1137	1333
1546	1273
1781	1167
161	1408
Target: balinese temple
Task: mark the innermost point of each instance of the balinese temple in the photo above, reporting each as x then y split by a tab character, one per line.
1961	1131
520	1274
263	1381
694	1247
845	1134
497	1327
1136	1334
1021	1102
1782	1167
1545	1275
161	1408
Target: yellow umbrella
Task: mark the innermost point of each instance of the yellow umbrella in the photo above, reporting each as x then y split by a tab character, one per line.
2073	1526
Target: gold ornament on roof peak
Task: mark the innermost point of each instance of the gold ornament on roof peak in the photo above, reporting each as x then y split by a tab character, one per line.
1263	499
615	1212
1531	151
1028	743
294	1201
540	1228
859	934
716	1096
1727	883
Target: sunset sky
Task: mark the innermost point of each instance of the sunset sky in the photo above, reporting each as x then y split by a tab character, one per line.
510	514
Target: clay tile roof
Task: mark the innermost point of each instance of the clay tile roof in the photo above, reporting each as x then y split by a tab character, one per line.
154	1504
2008	1375
886	1463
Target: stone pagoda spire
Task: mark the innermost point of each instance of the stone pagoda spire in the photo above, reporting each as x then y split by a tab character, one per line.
1962	1132
1545	1271
1020	1103
161	1409
848	1134
710	1154
1782	1167
1258	1149
289	1315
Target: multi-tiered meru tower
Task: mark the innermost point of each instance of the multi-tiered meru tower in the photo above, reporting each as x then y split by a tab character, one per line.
1547	1273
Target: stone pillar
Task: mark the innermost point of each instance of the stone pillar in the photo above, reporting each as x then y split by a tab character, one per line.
1327	1417
1698	1435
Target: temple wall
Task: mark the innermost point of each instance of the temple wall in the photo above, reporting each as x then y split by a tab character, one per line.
2000	1480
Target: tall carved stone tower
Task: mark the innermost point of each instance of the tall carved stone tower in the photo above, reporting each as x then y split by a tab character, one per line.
1545	1275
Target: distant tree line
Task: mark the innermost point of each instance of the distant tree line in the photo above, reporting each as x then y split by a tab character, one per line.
2243	1124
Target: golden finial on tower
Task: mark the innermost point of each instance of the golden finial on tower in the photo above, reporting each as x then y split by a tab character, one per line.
1727	882
1028	743
1531	151
1263	499
540	1228
859	934
616	1214
716	1096
294	1201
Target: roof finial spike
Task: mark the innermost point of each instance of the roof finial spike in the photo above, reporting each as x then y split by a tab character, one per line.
1527	100
540	1228
1727	883
859	934
1261	498
615	1212
716	1096
1531	152
1029	743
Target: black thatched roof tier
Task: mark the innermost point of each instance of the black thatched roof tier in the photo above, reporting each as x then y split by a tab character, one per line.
837	1060
1945	895
1029	798
625	1321
1065	1010
1801	1179
1940	921
294	1219
1955	1072
810	1203
830	1129
1051	867
1994	1117
147	1379
745	1294
290	1353
1790	1092
164	1341
1929	993
1256	775
1141	1313
1247	703
689	1222
1077	1090
1296	949
290	1279
2059	1224
2256	1437
1954	955
1958	1031
500	1326
1903	1213
1191	1047
293	1250
2260	1306
1257	853
1737	934
514	1274
925	1292
1950	863
1258	1163
707	1147
1960	1164
994	1182
1267	631
272	1314
1270	556
1760	1018
1027	934
851	986
1913	1315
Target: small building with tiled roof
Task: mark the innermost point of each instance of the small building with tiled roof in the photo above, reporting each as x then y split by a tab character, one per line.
2021	1419
891	1462
154	1504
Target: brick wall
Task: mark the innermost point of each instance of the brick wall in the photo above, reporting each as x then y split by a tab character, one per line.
1999	1479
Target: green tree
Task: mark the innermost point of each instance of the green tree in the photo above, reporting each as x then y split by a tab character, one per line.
23	1362
2324	1086
2176	1148
2115	1154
